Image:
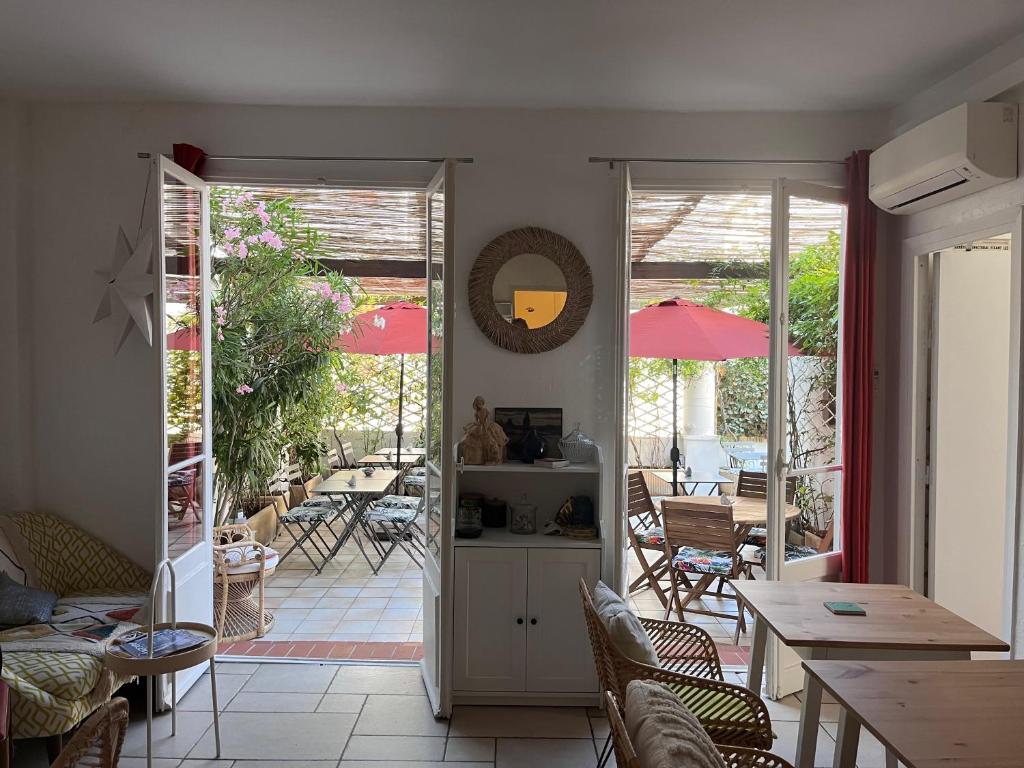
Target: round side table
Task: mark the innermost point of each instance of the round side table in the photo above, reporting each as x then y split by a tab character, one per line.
125	664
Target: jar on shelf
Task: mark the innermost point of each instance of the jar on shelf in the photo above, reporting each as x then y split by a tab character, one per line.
523	518
577	447
495	513
468	523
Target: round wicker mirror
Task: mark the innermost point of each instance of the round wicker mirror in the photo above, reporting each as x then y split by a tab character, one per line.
530	290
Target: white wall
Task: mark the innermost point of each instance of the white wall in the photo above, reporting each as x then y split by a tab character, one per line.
15	346
531	169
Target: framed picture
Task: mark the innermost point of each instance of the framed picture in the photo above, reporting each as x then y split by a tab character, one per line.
518	421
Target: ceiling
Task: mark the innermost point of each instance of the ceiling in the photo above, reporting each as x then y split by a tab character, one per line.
606	54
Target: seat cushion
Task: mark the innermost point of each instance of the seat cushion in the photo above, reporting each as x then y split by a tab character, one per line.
304	514
793	552
397	515
624	629
249	560
757	537
401	502
705	561
651	537
665	734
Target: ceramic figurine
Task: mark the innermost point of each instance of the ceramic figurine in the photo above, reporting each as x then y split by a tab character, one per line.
483	441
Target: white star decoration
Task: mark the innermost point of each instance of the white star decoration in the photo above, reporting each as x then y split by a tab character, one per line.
130	278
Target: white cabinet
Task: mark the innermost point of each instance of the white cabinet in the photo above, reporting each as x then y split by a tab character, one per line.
518	620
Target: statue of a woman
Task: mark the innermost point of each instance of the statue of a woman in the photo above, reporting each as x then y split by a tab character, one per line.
483	441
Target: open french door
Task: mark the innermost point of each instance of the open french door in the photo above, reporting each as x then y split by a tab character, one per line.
805	400
182	314
439	489
617	555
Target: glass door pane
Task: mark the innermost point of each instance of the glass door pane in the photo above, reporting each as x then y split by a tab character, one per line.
439	457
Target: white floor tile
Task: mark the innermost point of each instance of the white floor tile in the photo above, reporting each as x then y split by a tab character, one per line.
291	678
395	748
399	716
274	735
530	753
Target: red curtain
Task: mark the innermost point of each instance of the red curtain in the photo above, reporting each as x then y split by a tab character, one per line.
858	367
190	158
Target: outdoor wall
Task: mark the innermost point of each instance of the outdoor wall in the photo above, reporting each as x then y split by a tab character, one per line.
530	169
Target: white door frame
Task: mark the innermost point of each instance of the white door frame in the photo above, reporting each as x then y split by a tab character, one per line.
616	557
916	328
438	575
196	563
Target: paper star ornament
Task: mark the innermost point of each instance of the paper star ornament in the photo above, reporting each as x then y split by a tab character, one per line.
130	280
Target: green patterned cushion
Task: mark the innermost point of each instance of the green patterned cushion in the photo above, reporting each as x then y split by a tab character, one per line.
693	560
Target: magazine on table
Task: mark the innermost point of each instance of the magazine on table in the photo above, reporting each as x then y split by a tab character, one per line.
165	642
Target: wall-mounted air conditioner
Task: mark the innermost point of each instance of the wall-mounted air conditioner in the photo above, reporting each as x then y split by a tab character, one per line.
961	151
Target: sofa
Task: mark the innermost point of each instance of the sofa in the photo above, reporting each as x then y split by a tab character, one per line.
55	671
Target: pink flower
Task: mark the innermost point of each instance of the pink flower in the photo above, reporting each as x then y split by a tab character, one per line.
261	211
345	305
272	239
252	238
243	250
342	387
229	248
220	335
232	233
221	313
243	198
243	389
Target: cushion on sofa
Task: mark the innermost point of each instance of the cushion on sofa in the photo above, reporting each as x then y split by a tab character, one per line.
623	627
20	605
665	734
9	563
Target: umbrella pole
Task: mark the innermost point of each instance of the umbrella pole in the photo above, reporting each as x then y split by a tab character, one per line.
398	429
674	455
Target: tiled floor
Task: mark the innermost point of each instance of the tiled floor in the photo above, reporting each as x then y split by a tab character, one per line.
287	715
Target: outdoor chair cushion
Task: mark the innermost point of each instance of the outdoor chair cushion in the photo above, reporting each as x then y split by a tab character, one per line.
624	629
664	732
757	537
400	502
397	515
248	560
21	605
793	552
706	561
651	537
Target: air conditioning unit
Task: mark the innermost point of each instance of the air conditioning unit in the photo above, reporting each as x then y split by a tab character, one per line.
968	148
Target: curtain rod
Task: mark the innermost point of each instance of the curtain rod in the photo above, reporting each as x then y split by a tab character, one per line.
315	159
711	161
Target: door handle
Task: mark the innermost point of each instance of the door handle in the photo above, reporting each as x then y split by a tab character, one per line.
519	621
533	621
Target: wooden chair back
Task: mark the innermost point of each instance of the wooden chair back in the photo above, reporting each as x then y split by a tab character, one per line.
754	485
348	456
625	753
640	509
97	744
699	521
333	459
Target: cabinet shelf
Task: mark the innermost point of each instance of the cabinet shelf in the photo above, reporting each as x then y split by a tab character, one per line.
516	466
502	537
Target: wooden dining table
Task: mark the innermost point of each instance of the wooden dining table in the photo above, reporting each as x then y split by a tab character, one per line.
899	624
929	714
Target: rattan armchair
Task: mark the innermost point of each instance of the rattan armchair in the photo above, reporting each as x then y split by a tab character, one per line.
731	714
240	565
626	757
97	744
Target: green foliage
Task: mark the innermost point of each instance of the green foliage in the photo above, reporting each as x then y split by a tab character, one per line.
743	398
276	314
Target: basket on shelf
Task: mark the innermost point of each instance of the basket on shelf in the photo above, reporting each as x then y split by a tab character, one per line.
577	447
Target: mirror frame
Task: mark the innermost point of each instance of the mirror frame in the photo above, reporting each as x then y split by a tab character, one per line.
579	288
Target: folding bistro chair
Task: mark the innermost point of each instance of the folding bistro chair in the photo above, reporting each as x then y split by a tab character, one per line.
392	522
700	540
645	534
333	460
754	485
304	521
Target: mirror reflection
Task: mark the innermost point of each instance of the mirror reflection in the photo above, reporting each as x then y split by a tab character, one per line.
529	289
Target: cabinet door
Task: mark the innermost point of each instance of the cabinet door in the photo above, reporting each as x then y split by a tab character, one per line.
558	656
490	619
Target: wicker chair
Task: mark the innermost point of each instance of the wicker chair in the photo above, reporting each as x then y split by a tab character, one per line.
240	565
731	714
735	757
97	744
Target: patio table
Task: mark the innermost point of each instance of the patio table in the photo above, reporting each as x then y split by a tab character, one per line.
900	625
691	484
352	501
387	461
929	713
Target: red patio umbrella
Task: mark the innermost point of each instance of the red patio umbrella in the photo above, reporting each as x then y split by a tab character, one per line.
678	329
184	339
393	329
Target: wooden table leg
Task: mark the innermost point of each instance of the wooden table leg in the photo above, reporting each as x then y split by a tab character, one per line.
847	739
810	717
758	645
